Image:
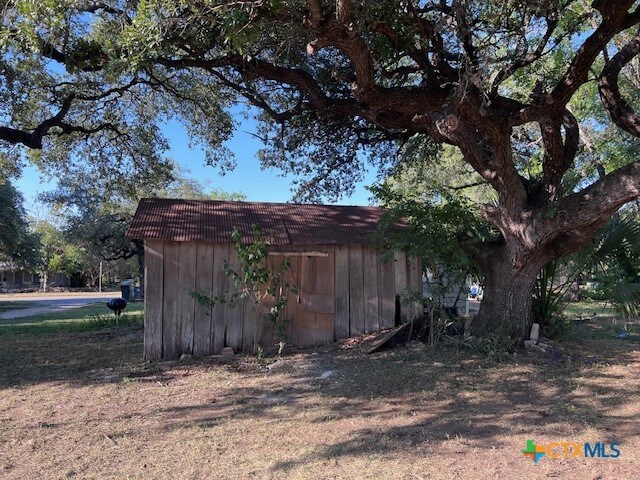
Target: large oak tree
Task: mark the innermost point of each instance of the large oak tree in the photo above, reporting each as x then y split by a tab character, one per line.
336	81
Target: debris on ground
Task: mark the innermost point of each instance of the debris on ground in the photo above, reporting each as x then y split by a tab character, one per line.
399	335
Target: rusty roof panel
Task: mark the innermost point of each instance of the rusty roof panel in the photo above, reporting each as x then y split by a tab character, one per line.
281	223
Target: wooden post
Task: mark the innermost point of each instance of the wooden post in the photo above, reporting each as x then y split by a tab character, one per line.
356	291
202	337
400	278
220	287
341	328
371	268
415	285
387	302
235	314
153	301
187	304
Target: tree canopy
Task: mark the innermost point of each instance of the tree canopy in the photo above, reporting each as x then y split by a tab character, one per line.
527	91
93	218
17	244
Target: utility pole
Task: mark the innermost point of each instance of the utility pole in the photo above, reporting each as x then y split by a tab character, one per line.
100	279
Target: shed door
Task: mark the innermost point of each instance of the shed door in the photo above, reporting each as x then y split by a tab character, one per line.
313	324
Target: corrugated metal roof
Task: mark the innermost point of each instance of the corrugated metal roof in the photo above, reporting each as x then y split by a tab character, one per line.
281	223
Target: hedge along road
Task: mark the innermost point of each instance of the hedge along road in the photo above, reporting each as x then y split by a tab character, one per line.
51	302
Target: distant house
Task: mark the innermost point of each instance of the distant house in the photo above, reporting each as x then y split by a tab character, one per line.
14	277
452	295
343	286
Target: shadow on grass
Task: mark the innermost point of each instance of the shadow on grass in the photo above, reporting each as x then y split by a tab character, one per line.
63	345
414	402
68	357
419	404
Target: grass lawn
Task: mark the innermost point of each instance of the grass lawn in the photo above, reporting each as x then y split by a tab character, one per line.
88	318
589	309
8	306
77	401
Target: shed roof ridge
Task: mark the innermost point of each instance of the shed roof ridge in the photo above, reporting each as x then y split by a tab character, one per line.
254	202
213	221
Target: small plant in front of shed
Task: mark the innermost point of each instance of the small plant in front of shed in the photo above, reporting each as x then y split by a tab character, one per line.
206	301
256	282
261	284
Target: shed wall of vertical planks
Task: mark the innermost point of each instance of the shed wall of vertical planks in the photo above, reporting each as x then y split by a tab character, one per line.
341	291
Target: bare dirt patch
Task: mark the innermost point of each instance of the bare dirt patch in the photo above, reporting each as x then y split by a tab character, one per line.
83	405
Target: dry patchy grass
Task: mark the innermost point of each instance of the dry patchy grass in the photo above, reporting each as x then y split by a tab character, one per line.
83	405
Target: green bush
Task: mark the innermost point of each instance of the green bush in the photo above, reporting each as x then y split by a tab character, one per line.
496	347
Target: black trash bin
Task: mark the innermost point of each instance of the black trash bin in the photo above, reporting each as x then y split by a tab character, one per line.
126	291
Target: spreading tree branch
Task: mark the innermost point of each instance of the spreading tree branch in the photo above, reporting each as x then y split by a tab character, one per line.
620	111
615	19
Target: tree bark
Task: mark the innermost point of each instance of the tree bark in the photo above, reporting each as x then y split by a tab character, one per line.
506	308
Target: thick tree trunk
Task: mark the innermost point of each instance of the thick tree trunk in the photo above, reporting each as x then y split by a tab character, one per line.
507	300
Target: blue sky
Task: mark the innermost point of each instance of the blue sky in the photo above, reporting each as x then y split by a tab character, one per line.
248	178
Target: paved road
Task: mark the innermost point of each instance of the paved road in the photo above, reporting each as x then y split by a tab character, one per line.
51	302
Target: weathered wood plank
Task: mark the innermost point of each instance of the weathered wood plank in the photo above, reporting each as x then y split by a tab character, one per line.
267	336
356	291
314	323
324	284
371	265
304	319
302	326
153	287
186	303
386	295
307	275
291	311
399	335
341	329
171	329
252	326
400	272
322	331
202	335
415	285
220	287
317	303
401	284
313	328
235	313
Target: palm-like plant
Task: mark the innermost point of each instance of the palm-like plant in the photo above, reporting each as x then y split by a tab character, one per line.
612	259
615	263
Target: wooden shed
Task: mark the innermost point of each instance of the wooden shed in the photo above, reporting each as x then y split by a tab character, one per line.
343	286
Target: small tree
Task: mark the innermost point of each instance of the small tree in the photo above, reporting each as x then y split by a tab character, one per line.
442	221
256	282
